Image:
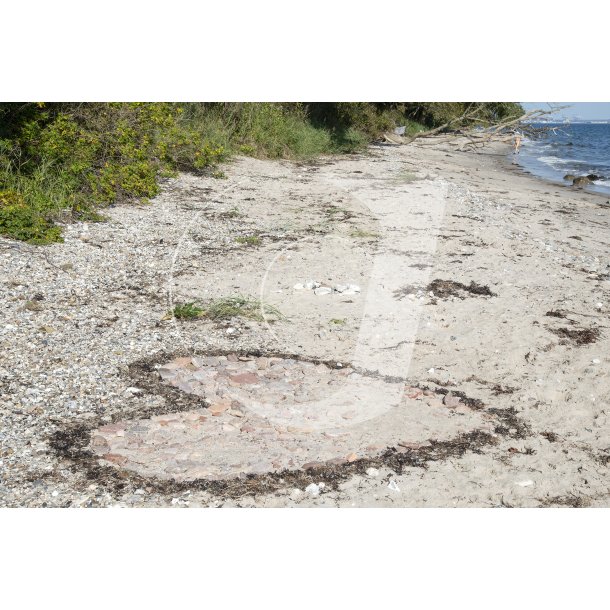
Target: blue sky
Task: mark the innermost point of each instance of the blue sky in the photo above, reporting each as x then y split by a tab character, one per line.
580	110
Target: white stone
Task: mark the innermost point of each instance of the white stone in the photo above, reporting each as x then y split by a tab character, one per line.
393	486
526	483
298	286
313	490
596	361
322	290
372	472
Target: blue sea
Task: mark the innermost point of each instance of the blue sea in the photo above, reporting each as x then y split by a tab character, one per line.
571	148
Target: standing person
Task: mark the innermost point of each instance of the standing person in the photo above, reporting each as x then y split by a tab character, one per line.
517	142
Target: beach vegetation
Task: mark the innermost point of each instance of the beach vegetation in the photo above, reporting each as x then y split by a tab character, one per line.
62	162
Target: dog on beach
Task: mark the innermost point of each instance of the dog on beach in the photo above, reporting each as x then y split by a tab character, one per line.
517	143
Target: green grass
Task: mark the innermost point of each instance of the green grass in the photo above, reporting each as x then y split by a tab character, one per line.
227	308
240	306
249	240
187	311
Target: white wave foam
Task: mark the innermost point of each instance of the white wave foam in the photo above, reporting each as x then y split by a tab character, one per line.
554	161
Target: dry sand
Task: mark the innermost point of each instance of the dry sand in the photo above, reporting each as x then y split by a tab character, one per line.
473	278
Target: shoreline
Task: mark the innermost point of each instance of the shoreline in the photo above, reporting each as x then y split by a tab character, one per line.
500	272
514	166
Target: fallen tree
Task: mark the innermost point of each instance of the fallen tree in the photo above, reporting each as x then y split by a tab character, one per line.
477	130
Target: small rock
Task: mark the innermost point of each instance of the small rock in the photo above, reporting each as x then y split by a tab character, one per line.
313	490
526	483
451	401
393	486
298	286
372	472
310	465
595	361
352	457
262	363
115	458
295	494
219	407
132	390
33	306
322	290
242	378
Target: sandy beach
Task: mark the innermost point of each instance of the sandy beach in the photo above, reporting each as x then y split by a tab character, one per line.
468	302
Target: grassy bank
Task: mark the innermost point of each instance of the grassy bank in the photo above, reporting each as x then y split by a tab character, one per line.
62	162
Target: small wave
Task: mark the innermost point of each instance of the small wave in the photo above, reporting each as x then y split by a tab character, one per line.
554	161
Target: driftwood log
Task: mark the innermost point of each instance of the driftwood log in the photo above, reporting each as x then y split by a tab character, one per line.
478	132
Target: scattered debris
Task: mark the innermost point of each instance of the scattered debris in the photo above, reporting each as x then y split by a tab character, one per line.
578	337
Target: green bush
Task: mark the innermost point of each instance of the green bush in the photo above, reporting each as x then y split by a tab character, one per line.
65	161
22	222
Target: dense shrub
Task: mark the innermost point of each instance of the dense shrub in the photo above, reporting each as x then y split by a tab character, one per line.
66	161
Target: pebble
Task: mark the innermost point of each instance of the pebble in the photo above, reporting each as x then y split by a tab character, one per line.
372	472
450	400
298	286
322	290
526	483
133	390
393	486
595	361
313	490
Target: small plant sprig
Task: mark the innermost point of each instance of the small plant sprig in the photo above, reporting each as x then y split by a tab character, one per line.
187	311
249	240
225	309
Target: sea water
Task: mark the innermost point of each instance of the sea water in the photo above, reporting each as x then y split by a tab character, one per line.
572	148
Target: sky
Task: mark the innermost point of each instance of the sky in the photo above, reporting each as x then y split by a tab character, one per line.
589	111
